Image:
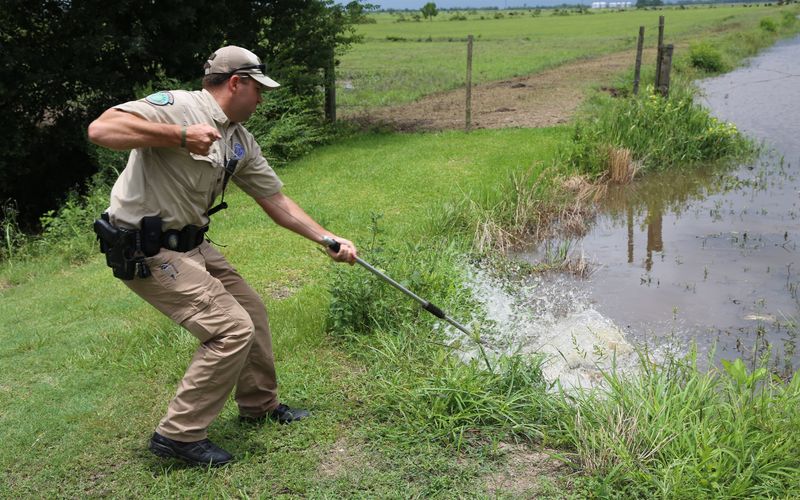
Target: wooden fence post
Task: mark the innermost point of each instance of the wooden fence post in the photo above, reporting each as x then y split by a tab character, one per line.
660	50
638	70
330	89
666	66
469	83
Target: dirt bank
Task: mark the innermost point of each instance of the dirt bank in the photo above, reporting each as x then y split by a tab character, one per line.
540	100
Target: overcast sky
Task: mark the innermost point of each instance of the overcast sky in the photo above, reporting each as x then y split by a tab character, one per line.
447	4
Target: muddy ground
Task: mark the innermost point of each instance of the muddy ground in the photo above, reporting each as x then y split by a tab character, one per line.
540	100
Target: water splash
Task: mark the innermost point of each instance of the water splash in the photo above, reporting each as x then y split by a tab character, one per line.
550	315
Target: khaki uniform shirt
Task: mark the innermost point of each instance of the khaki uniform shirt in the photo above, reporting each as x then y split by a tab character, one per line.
180	186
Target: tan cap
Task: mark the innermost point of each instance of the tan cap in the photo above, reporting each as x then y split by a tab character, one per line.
233	59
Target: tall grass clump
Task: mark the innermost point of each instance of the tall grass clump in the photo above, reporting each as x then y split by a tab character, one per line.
457	402
659	132
13	236
676	431
788	19
418	380
526	207
769	25
512	216
621	167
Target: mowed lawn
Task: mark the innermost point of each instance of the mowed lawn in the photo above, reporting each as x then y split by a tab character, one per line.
88	368
402	61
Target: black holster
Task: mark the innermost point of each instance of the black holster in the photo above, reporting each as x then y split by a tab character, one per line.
125	249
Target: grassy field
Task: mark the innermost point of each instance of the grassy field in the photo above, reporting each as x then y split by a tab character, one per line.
88	368
399	62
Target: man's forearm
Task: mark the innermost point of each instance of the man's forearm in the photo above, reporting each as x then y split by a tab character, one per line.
285	212
119	130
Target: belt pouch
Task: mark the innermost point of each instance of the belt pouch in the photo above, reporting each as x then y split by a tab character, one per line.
151	235
189	237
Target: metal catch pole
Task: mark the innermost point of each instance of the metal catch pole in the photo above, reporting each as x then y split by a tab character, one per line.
431	308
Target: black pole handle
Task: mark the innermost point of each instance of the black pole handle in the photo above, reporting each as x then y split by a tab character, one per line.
332	244
434	310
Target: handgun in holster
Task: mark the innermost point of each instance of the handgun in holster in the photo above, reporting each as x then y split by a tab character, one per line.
126	249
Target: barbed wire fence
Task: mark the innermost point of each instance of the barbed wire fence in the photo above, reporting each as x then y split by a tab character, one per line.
663	68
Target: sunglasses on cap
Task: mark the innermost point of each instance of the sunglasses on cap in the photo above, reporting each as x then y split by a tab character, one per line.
261	67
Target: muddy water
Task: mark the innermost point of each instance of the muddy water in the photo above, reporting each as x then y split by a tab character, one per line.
706	257
713	257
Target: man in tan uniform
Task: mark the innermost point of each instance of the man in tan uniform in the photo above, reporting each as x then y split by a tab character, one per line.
182	142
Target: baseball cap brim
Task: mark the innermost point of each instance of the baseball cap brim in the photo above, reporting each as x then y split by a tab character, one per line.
264	80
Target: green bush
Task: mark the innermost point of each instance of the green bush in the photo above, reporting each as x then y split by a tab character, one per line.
768	25
288	126
706	57
68	229
361	303
788	19
660	132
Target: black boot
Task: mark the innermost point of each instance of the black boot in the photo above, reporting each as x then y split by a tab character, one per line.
202	452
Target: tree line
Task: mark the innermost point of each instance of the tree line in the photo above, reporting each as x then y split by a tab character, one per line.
65	61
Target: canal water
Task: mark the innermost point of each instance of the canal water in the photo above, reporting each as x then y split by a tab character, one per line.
706	258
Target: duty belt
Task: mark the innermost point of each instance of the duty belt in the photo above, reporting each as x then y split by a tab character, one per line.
126	249
183	240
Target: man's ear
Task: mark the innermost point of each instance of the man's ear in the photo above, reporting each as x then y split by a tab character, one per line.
234	82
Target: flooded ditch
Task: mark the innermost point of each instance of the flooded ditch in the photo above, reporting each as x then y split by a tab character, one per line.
705	257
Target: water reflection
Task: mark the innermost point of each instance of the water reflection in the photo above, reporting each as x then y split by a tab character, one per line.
662	193
706	256
655	241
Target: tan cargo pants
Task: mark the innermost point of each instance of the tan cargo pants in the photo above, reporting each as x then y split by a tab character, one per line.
203	293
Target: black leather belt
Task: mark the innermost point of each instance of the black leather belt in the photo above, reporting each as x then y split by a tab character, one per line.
183	240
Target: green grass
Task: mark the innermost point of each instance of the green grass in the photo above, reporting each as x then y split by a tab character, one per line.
88	368
661	133
679	432
430	56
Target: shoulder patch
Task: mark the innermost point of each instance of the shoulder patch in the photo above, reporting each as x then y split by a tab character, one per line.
238	150
162	98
